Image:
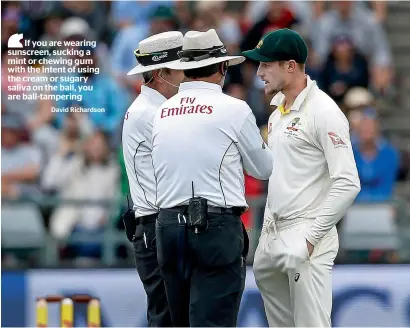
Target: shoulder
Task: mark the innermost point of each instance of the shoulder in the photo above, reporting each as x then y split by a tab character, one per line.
235	104
141	110
324	108
141	104
388	149
328	18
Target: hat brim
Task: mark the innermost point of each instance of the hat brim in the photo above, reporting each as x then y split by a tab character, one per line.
256	56
233	60
139	69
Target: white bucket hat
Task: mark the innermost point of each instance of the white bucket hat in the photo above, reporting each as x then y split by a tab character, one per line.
202	49
358	97
157	51
74	26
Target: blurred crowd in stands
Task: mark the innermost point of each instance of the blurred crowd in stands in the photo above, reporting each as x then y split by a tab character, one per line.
79	155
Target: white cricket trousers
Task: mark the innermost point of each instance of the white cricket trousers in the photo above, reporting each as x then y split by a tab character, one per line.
296	289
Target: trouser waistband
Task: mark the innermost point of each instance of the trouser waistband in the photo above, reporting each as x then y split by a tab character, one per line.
146	219
211	209
283	224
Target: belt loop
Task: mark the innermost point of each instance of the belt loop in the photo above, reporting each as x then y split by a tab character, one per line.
275	230
275	218
181	214
179	218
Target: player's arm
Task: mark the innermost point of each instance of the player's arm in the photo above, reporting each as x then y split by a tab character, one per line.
332	137
256	155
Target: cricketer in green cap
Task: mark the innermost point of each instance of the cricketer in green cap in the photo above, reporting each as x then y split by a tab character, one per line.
310	142
282	55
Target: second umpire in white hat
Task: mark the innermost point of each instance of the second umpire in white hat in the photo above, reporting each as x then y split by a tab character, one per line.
154	56
202	142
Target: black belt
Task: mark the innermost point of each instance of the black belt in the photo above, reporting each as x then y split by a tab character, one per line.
211	209
146	219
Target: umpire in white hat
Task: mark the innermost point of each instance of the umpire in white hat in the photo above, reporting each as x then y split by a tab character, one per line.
154	56
202	142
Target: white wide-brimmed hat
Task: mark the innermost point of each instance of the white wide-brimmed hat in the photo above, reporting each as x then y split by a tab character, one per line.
75	26
157	51
358	97
202	49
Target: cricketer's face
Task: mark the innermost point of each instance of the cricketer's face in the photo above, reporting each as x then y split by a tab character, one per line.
273	74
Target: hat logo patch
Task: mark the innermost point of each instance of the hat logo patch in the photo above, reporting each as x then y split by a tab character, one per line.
159	57
259	45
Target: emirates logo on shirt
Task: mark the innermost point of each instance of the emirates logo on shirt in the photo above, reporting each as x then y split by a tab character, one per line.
335	139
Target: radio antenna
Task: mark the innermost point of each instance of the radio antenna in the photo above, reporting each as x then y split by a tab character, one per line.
193	189
128	201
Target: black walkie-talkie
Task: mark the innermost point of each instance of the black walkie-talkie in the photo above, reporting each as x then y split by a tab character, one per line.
130	223
198	212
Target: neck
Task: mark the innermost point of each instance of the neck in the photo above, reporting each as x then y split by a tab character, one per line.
215	79
369	149
294	89
157	87
344	64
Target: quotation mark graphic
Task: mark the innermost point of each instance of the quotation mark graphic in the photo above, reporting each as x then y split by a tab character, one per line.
14	41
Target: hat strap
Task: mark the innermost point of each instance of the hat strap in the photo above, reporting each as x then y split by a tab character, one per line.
201	54
159	57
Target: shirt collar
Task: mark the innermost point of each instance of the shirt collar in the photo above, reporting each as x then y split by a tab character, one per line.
200	85
153	95
279	98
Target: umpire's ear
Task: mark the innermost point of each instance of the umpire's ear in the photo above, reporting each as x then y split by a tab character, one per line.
156	74
223	68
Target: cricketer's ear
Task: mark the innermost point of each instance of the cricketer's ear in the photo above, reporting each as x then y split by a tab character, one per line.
292	66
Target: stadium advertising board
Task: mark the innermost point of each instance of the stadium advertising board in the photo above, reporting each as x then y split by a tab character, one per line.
363	296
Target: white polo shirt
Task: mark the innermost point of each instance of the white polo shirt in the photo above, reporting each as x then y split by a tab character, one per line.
137	147
314	174
206	138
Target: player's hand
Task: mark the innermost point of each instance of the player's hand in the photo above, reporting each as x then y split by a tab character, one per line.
309	247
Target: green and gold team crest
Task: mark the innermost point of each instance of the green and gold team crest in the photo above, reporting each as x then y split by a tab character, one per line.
293	127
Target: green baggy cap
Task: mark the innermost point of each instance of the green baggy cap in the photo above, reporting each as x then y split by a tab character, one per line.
283	44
